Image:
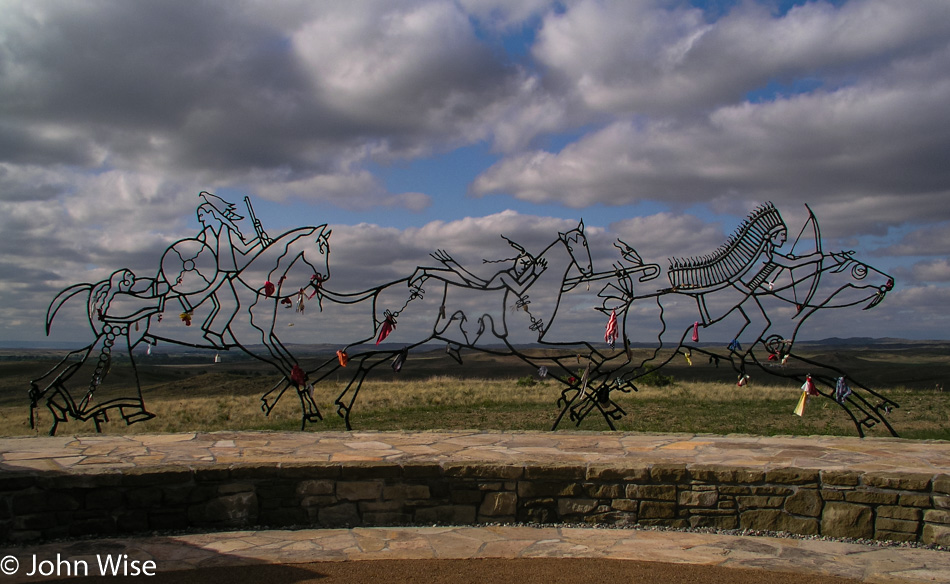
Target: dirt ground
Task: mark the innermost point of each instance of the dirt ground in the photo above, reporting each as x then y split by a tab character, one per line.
484	571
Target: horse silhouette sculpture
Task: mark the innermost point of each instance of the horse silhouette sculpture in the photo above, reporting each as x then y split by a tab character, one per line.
472	312
760	298
236	282
749	290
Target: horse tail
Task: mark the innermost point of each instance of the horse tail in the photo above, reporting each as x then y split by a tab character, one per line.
61	299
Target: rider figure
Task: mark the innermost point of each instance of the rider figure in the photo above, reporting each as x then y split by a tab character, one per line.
770	259
233	252
517	278
748	266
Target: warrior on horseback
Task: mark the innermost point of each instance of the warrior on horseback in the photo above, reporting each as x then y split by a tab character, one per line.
233	252
518	278
747	266
220	264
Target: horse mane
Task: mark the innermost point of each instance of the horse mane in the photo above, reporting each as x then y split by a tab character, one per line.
574	235
730	259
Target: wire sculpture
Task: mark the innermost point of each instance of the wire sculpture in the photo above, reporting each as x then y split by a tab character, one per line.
237	283
221	272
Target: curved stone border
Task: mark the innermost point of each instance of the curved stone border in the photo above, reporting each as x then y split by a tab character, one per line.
860	561
38	505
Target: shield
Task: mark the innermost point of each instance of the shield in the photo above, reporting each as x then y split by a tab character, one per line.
189	266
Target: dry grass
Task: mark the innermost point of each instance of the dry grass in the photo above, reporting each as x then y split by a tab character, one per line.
227	401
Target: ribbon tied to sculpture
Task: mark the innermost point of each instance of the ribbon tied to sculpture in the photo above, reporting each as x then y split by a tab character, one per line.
612	334
297	376
388	325
808	390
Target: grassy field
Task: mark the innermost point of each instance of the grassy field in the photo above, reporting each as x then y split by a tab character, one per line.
189	393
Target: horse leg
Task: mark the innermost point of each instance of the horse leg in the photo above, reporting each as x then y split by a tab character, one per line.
280	352
267	406
458	315
272	396
869	414
309	410
567	403
613	412
873	413
60	411
263	322
453	345
583	409
868	420
598	398
352	388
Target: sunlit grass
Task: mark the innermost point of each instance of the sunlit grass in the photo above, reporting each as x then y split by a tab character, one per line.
223	401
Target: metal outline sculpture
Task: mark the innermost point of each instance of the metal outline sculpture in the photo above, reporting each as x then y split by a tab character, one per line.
230	287
696	277
749	266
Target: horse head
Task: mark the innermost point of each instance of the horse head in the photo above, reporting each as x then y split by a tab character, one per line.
576	243
317	253
852	282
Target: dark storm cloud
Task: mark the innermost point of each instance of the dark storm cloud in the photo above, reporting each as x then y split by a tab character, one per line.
224	87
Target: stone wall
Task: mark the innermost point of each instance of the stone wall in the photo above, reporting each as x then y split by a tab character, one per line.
905	507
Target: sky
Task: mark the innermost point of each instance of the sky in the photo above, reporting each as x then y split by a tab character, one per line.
413	126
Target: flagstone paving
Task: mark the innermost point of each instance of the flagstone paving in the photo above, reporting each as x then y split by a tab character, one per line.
869	563
80	453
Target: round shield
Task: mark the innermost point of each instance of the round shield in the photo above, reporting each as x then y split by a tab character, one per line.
189	266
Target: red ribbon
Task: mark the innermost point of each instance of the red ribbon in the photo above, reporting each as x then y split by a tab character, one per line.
298	376
388	326
611	335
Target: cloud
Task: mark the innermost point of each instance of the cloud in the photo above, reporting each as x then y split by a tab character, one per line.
355	191
649	57
376	65
115	115
868	140
365	249
503	14
842	148
661	236
924	241
932	271
295	90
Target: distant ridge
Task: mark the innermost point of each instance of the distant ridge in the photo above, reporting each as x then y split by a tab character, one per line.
44	345
872	342
891	342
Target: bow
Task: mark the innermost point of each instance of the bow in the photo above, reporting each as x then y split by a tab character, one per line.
816	232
